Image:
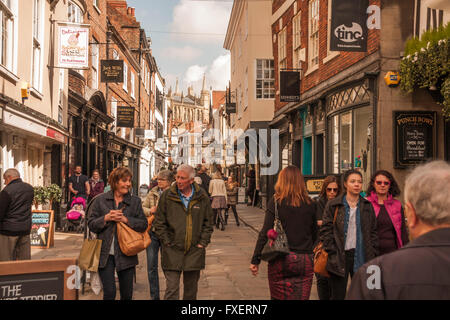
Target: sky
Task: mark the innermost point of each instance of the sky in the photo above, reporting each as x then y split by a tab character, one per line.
187	40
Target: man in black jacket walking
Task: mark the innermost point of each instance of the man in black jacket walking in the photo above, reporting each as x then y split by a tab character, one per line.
15	217
419	270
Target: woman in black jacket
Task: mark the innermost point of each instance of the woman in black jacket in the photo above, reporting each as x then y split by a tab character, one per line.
117	205
330	190
352	239
290	276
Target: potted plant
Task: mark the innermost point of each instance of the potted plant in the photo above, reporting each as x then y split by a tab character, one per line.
40	196
54	194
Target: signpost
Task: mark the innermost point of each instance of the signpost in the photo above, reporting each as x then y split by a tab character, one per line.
49	279
125	116
289	86
42	233
349	30
415	137
111	71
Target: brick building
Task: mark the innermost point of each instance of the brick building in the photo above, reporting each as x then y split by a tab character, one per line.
345	117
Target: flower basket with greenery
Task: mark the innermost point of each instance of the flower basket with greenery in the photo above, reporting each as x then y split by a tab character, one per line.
426	65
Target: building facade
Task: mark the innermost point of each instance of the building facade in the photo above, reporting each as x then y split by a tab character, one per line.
345	117
33	100
249	41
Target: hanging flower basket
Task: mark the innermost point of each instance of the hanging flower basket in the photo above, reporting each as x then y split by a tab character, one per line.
426	65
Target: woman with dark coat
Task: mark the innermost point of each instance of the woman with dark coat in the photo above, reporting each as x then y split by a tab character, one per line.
232	198
117	205
330	190
352	239
290	276
391	225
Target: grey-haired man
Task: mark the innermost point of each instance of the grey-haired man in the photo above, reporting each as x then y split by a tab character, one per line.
15	217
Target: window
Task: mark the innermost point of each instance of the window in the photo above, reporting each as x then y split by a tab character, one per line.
282	49
330	54
296	35
115	54
6	33
37	45
125	77
75	14
95	57
265	79
132	84
114	114
313	49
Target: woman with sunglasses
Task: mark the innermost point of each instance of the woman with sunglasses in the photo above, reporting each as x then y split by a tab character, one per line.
391	226
330	189
351	238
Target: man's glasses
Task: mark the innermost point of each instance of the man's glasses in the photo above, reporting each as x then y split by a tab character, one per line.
332	189
386	183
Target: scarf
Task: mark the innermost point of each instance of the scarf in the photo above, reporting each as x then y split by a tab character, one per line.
359	250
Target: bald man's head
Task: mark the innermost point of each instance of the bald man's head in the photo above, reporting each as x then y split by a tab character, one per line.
10	175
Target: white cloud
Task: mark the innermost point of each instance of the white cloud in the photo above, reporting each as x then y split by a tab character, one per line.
185	54
219	72
207	19
217	76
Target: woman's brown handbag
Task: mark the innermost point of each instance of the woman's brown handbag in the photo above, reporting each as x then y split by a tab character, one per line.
131	242
321	256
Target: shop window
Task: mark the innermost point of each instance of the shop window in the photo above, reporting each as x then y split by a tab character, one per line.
335	144
319	156
346	141
307	156
362	141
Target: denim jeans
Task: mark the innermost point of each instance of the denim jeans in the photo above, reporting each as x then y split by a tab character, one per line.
126	278
152	266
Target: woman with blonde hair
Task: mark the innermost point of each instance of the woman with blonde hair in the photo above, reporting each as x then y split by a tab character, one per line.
218	192
290	276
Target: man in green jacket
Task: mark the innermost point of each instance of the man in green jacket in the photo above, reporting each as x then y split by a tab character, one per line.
183	223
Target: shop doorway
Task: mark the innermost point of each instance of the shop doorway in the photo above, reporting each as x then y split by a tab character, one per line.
297	154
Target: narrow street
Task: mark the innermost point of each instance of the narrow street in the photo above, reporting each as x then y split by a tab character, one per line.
226	276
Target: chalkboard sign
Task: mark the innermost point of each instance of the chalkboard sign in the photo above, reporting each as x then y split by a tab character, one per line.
415	137
48	279
41	235
111	71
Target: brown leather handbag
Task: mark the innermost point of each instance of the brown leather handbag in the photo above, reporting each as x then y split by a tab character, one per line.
131	242
321	256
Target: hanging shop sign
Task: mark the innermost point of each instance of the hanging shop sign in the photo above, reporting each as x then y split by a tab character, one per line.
415	137
111	71
230	107
314	184
349	25
125	116
289	86
73	46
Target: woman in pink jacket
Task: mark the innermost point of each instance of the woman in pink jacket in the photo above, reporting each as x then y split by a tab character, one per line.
392	233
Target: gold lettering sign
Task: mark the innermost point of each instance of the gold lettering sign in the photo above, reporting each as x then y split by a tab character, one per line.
314	186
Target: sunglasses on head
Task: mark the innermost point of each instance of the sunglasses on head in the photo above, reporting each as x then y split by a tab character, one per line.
332	189
386	183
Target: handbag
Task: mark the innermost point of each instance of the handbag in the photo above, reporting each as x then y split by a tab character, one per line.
321	256
131	242
278	247
89	257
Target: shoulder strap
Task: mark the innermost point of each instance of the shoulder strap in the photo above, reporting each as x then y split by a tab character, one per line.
335	214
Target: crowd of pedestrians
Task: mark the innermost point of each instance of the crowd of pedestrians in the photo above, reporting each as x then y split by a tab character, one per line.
389	250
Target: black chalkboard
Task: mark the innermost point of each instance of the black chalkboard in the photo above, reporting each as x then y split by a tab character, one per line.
32	286
415	137
41	235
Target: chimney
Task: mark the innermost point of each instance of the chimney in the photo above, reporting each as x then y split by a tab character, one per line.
132	11
129	11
